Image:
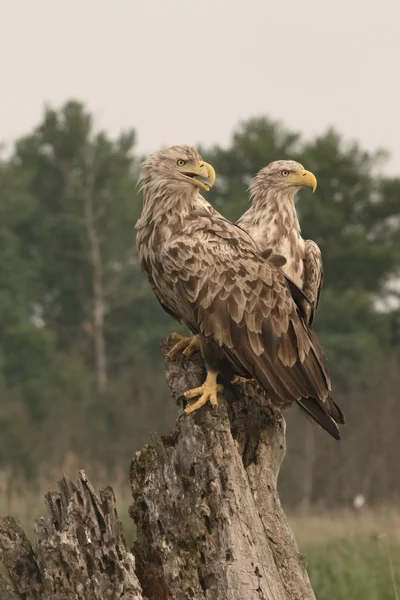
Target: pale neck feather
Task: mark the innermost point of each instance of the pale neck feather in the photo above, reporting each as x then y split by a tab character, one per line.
272	217
164	205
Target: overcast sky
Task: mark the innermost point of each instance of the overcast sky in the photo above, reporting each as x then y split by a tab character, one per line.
187	72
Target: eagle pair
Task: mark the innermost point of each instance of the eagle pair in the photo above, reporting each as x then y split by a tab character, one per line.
248	292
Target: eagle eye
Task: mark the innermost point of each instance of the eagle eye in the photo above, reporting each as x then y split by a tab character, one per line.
285	173
180	162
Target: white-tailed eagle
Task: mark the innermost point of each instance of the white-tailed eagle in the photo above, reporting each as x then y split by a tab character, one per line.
272	222
208	273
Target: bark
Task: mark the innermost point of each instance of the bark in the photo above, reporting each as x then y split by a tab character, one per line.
210	525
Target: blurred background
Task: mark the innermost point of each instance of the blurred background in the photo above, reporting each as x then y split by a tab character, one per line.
87	90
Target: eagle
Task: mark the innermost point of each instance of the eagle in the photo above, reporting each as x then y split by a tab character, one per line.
272	222
208	273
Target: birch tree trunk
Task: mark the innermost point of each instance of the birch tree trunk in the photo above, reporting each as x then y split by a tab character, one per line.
210	525
308	469
85	192
97	284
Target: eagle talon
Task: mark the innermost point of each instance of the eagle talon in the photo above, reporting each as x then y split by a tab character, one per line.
186	345
238	380
176	336
207	392
181	416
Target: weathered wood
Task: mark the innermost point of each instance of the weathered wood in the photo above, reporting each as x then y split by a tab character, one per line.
209	521
80	551
19	572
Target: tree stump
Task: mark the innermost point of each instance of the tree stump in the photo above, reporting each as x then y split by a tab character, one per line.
210	525
209	521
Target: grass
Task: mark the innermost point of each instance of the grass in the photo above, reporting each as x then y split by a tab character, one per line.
350	556
356	569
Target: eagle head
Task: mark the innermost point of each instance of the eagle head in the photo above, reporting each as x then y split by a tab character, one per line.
176	168
283	175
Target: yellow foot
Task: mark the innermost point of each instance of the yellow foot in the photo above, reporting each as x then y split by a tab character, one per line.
187	345
239	379
207	392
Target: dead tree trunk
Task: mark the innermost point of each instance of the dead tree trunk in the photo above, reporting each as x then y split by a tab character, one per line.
210	525
209	521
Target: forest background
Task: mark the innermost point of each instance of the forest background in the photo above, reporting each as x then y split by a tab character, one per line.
81	373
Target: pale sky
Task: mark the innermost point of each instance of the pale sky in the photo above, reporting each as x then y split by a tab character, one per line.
187	72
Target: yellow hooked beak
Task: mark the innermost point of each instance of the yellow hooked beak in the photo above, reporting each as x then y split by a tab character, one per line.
303	178
200	173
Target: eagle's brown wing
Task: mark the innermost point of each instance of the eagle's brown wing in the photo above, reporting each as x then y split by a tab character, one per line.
313	275
232	296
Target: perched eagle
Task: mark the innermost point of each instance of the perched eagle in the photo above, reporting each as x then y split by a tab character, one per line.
273	224
208	273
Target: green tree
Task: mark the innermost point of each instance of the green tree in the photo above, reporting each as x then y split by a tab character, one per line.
83	234
26	350
79	323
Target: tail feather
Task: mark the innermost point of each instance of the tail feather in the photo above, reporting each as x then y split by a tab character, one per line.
320	416
339	417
